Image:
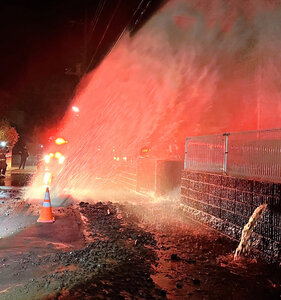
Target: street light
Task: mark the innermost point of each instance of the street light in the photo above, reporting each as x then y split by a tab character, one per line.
60	141
75	109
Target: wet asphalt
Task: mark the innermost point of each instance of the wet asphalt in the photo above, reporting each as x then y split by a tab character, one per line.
16	178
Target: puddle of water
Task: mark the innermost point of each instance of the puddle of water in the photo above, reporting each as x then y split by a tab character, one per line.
16	180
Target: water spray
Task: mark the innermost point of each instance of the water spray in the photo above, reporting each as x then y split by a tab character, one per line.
247	231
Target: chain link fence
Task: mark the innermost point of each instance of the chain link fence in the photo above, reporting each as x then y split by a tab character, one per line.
250	154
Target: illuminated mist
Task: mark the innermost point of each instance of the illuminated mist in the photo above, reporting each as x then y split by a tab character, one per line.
197	67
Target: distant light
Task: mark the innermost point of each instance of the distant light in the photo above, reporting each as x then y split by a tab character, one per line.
60	141
61	159
125	158
41	146
75	109
47	178
145	151
3	144
58	155
47	159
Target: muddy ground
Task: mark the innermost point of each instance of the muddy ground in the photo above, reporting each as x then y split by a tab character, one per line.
142	250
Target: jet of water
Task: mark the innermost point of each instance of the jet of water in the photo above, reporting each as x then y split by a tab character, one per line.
195	68
247	231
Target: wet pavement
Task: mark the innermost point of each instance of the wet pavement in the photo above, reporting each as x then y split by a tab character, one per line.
34	241
40	238
17	178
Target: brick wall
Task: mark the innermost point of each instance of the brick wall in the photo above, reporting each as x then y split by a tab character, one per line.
226	204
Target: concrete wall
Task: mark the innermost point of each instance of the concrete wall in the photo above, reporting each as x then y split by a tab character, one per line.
150	175
168	176
226	204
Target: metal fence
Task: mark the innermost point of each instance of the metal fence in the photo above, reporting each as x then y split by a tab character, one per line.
251	154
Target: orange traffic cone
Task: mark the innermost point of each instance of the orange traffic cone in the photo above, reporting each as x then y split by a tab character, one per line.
46	215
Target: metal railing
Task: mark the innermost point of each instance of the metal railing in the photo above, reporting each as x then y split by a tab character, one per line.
251	154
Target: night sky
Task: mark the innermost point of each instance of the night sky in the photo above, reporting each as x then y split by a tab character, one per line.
43	41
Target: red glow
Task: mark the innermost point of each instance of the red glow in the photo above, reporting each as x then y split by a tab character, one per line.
172	81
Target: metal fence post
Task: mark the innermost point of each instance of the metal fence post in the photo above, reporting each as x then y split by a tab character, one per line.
185	153
226	135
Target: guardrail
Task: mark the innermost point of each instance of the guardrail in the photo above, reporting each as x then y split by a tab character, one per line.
250	154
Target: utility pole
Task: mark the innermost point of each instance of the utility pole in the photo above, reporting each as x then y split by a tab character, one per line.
259	101
86	41
260	88
80	67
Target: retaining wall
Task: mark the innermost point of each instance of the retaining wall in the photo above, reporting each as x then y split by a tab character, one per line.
226	204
